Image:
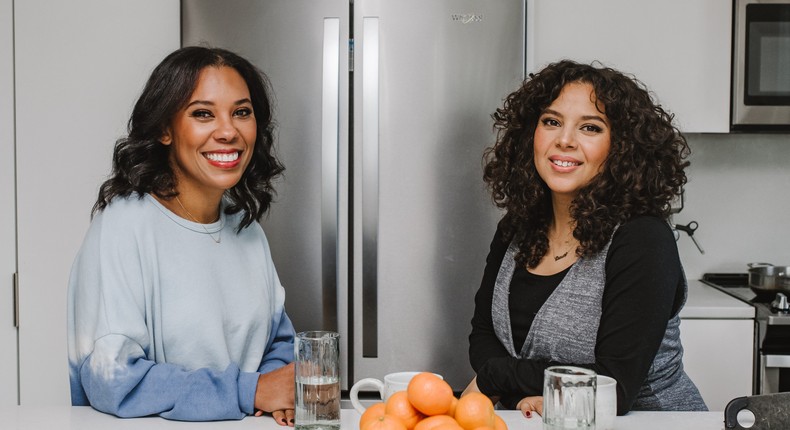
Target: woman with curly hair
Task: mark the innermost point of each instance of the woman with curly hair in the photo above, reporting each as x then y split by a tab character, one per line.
174	305
583	268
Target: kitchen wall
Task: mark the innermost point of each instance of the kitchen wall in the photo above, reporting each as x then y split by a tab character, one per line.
739	193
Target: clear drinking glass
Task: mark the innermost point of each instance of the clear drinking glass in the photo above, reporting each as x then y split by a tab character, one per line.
568	398
317	378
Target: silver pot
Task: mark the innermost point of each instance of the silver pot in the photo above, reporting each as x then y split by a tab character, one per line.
767	278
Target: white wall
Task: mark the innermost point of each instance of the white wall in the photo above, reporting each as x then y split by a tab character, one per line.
739	193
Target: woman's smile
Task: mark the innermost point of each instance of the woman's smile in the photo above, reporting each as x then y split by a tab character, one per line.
563	163
223	159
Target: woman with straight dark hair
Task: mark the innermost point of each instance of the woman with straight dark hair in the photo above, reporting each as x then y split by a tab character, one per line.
174	305
583	268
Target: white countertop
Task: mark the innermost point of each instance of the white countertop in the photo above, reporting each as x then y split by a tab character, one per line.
705	301
86	418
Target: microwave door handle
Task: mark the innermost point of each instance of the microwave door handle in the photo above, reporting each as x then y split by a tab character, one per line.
330	141
777	361
370	185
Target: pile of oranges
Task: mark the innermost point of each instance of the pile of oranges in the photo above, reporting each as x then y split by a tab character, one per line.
429	404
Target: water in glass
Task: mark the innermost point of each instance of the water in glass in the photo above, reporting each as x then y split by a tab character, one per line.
317	381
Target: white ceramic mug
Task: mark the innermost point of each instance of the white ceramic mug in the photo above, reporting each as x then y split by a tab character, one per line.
605	403
393	383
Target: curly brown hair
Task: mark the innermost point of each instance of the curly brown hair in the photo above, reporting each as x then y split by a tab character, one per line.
641	175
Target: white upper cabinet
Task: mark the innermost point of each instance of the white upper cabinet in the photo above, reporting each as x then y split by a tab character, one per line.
679	49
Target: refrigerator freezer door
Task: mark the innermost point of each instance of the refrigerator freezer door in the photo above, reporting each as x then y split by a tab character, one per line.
428	76
302	46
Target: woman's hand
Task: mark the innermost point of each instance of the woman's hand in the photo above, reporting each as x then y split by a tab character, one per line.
282	417
531	404
275	392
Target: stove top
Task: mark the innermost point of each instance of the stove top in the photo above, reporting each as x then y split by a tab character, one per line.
737	285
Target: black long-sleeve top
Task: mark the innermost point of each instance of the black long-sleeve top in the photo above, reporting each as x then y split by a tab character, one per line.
644	288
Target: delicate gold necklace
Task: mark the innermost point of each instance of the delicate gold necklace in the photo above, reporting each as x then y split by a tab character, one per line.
561	256
217	239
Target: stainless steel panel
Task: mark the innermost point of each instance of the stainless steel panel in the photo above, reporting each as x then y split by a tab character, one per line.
292	42
444	67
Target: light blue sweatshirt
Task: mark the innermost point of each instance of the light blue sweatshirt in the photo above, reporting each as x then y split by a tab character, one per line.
162	320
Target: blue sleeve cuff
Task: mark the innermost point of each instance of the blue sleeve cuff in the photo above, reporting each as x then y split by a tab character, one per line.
248	383
271	366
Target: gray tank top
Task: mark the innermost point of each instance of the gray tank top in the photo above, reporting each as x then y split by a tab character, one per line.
566	327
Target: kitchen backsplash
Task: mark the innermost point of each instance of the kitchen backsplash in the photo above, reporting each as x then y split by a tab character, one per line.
739	193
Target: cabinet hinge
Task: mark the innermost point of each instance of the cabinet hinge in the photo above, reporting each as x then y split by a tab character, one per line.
16	299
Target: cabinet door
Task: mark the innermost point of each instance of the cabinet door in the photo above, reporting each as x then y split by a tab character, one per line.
8	346
718	357
80	66
680	49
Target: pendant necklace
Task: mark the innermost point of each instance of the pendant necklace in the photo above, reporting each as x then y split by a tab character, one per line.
217	239
561	256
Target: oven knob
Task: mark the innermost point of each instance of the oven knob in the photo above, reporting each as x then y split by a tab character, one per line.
780	303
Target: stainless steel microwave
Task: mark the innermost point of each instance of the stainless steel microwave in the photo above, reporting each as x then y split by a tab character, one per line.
761	65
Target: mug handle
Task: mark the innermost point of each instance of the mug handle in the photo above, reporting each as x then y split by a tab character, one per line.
367	382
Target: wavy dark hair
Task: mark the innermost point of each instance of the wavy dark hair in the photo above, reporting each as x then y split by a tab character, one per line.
641	175
140	163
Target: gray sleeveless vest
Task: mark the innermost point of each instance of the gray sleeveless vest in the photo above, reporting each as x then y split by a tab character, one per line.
566	326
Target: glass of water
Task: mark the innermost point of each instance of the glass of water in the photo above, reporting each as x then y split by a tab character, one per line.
317	373
568	398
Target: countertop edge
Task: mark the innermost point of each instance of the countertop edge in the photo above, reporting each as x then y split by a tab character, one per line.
706	302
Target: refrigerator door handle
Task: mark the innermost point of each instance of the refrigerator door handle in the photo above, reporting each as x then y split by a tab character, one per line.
370	185
330	141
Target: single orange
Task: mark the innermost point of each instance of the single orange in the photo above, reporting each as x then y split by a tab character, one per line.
399	407
484	428
499	423
431	423
430	394
371	413
475	410
384	422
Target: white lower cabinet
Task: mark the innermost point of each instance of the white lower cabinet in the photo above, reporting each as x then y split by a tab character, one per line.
717	356
78	69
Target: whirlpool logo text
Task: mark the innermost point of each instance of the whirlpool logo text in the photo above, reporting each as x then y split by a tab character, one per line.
466	18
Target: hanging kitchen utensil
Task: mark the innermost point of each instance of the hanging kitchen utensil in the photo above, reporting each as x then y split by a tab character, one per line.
765	278
770	412
690	228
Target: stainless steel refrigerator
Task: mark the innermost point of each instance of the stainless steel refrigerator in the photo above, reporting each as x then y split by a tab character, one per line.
382	222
